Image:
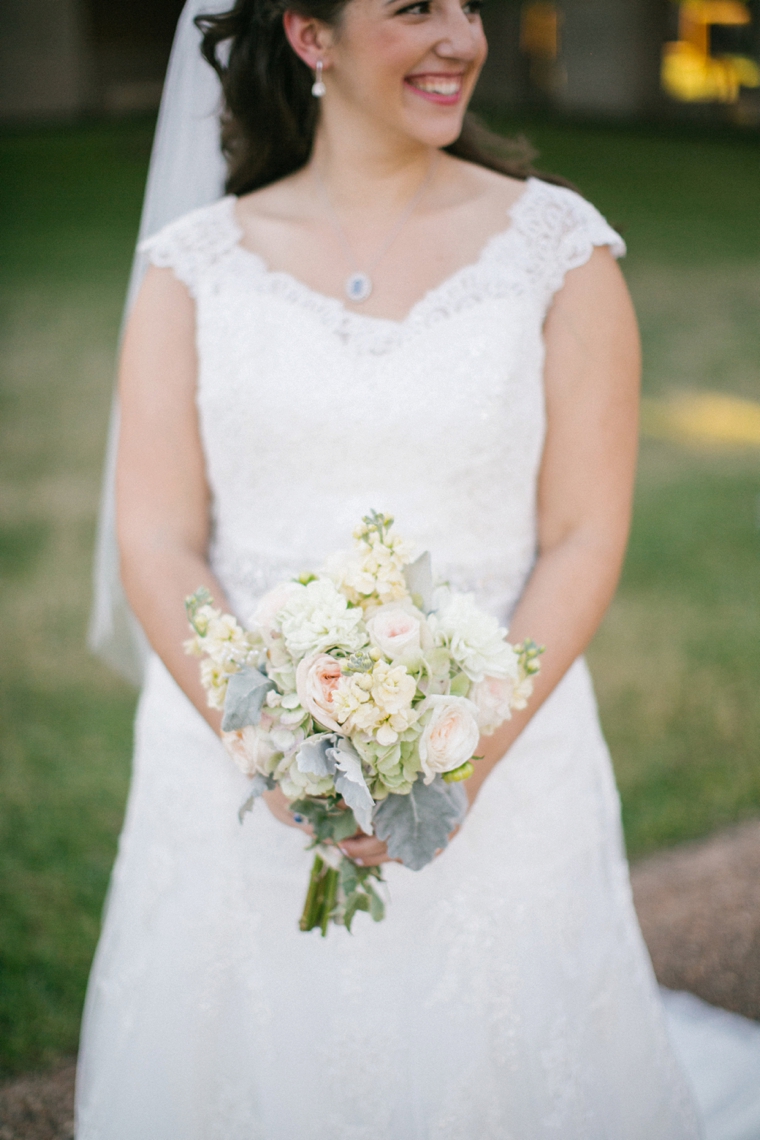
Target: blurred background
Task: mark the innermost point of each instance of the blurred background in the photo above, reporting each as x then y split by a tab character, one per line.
652	108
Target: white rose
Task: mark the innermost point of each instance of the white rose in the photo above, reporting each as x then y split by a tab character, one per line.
317	678
317	618
250	748
494	700
450	734
474	638
395	631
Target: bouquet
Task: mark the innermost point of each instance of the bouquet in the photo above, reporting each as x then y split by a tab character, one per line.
361	692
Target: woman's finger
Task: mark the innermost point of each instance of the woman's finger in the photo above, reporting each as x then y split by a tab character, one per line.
364	846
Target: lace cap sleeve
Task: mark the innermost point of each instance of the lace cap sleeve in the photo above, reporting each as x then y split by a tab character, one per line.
191	245
566	229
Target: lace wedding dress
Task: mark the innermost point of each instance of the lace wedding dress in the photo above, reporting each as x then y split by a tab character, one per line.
508	994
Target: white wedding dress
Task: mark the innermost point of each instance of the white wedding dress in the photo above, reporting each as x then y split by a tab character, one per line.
508	994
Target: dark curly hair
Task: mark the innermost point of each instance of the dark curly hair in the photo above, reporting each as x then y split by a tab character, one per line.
270	115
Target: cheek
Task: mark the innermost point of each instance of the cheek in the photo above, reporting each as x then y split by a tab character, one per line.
387	53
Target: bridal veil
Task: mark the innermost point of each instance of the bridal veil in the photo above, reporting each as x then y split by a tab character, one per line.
186	171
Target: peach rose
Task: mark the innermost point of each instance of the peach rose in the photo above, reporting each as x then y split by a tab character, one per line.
317	678
250	748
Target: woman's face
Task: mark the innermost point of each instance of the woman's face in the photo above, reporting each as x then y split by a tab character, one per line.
410	66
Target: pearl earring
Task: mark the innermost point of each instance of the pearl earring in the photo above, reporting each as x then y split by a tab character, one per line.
319	88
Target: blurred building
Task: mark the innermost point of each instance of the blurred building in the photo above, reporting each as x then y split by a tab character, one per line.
693	60
595	58
60	58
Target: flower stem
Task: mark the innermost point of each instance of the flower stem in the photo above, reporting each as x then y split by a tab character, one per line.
309	918
328	898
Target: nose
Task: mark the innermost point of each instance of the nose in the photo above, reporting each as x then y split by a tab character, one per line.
461	36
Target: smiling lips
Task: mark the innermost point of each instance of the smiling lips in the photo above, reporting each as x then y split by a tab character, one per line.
446	89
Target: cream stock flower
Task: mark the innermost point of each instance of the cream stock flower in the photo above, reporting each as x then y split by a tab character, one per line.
449	736
393	688
376	704
214	678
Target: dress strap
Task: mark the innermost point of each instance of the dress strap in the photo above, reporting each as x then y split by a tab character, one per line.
194	243
561	230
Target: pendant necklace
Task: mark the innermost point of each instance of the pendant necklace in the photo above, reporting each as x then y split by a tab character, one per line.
359	285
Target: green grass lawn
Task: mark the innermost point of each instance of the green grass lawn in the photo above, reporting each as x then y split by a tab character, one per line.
677	661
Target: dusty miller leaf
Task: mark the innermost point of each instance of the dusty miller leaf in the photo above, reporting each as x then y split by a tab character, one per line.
313	757
246	693
328	754
259	784
417	825
351	784
419	582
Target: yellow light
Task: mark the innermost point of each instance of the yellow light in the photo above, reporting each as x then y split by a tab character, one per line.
704	419
539	30
691	77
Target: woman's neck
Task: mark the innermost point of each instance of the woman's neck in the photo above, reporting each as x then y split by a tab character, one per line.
363	170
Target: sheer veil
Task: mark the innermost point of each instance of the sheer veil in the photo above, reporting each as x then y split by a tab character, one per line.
186	171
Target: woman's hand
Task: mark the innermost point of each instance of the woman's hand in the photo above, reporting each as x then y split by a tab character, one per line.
279	805
366	850
369	851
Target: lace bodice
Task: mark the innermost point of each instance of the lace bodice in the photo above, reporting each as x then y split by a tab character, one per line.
312	414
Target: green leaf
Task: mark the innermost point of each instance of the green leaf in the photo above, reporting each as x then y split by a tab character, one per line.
460	685
343	825
357	901
246	693
417	825
376	905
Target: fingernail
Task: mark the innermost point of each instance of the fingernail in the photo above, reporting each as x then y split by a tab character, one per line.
342	850
359	862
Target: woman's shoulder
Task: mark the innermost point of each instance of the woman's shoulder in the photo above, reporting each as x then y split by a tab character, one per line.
194	241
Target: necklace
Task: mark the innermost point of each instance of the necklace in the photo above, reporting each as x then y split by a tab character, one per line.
359	284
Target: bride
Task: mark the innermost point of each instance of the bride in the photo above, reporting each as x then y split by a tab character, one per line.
379	314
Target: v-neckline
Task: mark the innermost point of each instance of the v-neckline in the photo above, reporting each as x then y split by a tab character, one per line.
339	307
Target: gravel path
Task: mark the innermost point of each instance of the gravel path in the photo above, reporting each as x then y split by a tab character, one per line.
699	908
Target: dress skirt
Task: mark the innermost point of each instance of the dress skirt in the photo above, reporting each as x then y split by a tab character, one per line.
507	995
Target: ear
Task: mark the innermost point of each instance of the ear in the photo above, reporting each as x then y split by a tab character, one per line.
310	39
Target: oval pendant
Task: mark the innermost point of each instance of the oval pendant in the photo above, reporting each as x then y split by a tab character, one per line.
358	287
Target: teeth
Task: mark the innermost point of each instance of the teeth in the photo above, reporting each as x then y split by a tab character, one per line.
438	86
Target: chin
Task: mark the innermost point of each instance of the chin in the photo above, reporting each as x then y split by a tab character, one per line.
438	135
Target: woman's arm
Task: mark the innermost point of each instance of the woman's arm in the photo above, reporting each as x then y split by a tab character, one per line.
162	498
585	488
